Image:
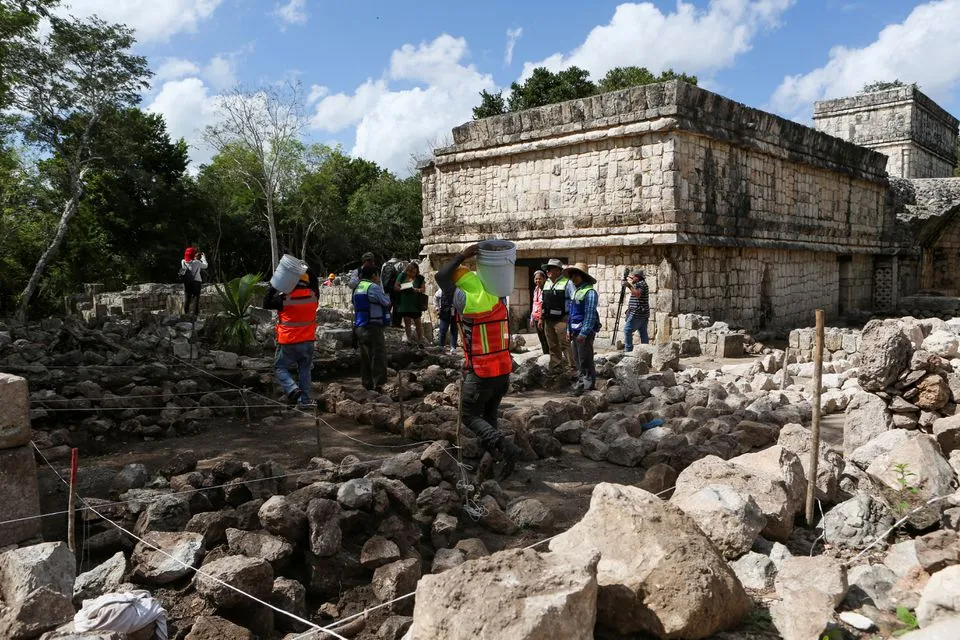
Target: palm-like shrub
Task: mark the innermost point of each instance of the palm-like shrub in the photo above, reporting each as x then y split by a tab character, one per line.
235	296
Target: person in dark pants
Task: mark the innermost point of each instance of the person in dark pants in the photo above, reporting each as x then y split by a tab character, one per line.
638	311
582	325
486	349
296	331
447	320
536	315
190	267
371	308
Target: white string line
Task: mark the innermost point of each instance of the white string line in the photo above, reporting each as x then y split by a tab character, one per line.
160	394
218	406
184	564
232	483
896	524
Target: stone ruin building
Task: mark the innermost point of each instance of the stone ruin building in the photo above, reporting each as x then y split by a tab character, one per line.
733	213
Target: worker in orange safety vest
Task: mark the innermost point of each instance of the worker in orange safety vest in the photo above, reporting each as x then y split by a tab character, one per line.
296	331
485	338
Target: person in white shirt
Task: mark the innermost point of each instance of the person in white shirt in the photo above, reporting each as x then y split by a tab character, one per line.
190	267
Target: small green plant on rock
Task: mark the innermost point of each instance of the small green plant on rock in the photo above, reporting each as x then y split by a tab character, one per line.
908	619
905	489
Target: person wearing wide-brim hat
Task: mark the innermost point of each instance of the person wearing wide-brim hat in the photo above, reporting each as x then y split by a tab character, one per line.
557	291
583	324
638	311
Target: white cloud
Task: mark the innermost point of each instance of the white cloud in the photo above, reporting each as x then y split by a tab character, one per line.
512	36
187	106
393	124
691	39
220	72
294	12
174	69
316	93
152	20
922	49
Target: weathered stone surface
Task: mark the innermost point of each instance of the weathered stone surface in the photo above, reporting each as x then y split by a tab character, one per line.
14	412
569	432
280	517
217	628
249	575
325	534
49	564
394	628
856	523
213	525
41	610
104	578
443	530
21	498
658	572
378	551
628	451
446	559
152	567
933	392
166	513
933	476
291	596
943	629
799	440
260	544
865	454
407	468
947	432
810	589
870	584
132	476
730	519
511	595
769	492
473	547
884	353
866	418
397	579
495	519
755	571
940	598
356	493
530	513
434	500
941	343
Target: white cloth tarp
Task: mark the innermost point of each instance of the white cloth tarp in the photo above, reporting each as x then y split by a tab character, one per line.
123	612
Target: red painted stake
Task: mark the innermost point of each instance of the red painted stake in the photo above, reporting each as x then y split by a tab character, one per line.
71	502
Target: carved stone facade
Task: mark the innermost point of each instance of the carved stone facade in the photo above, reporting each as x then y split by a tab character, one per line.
918	136
733	212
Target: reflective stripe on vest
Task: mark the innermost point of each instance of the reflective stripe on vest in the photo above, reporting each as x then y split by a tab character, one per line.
297	321
555	298
485	336
578	307
362	305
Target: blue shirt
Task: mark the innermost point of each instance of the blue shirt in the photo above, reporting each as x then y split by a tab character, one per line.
378	301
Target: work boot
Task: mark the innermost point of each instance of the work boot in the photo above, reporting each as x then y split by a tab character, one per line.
509	454
294	396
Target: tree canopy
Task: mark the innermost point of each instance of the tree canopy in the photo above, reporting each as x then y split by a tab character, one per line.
545	87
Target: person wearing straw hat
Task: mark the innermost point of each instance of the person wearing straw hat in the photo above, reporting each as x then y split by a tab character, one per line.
557	291
582	325
638	311
485	332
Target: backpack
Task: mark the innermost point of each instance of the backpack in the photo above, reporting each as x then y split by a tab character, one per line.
185	276
388	276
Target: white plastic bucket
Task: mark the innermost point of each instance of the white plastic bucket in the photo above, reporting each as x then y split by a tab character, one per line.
495	266
288	273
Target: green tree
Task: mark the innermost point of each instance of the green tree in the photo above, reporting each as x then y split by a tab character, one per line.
624	77
546	87
882	85
61	87
256	130
387	215
18	22
491	104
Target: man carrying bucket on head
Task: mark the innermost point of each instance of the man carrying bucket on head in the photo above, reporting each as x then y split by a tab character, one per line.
485	332
296	331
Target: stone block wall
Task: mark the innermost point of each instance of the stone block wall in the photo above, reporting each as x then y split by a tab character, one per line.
838	344
18	471
917	135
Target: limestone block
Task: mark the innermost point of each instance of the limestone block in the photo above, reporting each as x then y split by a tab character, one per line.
21	498
14	411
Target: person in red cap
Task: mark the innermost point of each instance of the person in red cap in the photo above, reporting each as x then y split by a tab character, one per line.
190	267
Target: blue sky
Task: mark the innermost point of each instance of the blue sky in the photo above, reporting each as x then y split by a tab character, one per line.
388	79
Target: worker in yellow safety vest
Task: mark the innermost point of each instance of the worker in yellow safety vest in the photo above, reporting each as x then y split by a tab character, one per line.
485	338
296	331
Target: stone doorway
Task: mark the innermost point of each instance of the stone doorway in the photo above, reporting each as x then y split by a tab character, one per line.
844	285
521	302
